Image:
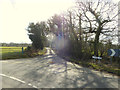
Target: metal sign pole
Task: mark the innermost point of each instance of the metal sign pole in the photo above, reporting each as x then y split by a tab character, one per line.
111	60
22	50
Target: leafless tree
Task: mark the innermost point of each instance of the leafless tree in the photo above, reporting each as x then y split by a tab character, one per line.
100	17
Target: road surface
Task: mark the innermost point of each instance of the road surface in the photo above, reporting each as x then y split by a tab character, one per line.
51	71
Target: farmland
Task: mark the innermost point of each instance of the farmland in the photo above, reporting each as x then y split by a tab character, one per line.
16	53
11	52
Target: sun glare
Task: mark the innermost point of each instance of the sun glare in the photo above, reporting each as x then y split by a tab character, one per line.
16	15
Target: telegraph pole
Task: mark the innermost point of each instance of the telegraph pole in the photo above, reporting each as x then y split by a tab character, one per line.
63	30
118	24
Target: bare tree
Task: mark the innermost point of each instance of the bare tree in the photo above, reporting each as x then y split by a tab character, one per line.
100	18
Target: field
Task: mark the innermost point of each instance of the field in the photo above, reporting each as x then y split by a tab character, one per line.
16	53
11	52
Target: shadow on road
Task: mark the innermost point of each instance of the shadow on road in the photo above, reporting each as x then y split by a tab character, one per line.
59	74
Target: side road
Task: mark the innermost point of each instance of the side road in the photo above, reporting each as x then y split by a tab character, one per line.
50	71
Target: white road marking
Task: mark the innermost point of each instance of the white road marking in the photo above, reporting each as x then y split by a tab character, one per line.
52	51
48	51
17	62
29	84
3	61
16	79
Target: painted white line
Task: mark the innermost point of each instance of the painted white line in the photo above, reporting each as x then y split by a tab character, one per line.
34	86
3	61
48	51
52	51
16	79
29	84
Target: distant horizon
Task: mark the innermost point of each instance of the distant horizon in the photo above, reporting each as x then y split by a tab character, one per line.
15	43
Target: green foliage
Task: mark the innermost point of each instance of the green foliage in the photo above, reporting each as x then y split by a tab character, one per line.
37	34
31	52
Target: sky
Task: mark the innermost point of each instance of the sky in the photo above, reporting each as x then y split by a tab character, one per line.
15	16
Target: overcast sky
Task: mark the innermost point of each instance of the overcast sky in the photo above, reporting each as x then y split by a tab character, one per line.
15	16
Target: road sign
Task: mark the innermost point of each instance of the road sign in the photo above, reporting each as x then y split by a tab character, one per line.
114	52
98	58
94	57
59	36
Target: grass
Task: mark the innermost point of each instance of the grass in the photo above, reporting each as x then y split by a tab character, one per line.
10	49
16	53
113	69
107	68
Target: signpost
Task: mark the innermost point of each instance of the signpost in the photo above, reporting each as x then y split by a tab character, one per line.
99	58
59	36
113	52
22	50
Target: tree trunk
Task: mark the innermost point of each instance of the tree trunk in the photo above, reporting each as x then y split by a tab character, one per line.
80	27
72	28
96	41
80	33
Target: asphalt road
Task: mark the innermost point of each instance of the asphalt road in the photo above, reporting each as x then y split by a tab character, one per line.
50	71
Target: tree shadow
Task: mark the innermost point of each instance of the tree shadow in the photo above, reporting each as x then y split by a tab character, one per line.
88	79
48	76
61	74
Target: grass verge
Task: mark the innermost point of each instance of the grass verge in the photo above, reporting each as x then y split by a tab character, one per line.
98	66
